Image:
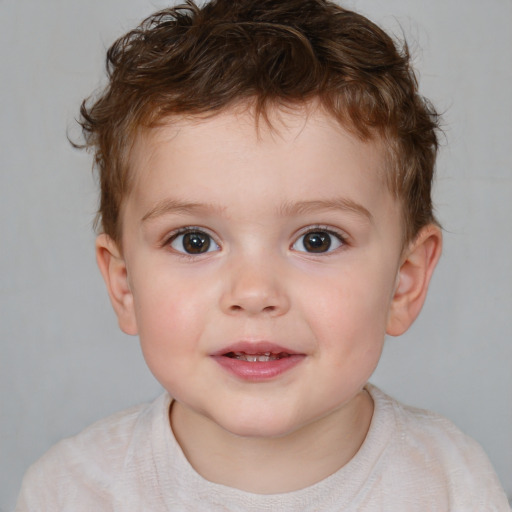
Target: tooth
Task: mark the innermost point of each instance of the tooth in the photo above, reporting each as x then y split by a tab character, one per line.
262	357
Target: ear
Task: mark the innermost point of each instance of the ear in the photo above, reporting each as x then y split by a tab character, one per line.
113	269
418	263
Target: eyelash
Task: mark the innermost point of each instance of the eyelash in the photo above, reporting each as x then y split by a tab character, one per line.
340	237
189	230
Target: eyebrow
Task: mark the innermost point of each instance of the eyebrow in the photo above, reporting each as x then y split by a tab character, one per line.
174	206
343	204
169	206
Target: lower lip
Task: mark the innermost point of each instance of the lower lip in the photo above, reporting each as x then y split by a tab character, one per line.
258	371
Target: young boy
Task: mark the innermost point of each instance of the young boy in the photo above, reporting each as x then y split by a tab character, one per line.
266	219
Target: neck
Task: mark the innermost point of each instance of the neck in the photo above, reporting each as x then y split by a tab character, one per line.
273	465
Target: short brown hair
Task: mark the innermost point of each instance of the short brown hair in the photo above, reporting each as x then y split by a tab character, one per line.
200	60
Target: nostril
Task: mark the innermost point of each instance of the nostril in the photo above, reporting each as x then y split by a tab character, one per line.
236	308
254	299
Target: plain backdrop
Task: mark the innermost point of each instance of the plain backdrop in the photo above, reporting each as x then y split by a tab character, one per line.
63	361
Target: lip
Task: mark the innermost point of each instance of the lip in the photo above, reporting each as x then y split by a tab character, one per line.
257	371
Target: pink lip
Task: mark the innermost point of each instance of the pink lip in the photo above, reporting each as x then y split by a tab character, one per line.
254	347
257	371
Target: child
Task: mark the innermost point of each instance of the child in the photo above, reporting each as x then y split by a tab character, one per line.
266	219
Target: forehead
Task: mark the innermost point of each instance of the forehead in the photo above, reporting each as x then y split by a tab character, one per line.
289	156
243	131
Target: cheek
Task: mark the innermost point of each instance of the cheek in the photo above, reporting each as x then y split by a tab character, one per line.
351	305
170	315
349	325
169	332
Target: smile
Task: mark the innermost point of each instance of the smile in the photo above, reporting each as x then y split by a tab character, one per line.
257	362
256	358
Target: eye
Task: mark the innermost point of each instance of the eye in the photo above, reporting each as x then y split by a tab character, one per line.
318	241
193	242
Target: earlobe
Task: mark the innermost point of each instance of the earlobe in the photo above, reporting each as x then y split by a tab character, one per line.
416	269
113	269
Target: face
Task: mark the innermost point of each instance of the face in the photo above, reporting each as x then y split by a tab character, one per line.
261	266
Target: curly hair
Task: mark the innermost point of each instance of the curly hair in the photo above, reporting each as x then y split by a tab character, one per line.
200	60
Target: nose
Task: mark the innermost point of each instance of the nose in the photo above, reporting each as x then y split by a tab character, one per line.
255	287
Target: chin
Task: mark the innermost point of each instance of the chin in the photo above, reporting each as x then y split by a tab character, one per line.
260	427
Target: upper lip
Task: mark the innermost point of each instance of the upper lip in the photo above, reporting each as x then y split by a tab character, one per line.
255	347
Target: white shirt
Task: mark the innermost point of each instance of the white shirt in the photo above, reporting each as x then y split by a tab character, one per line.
411	460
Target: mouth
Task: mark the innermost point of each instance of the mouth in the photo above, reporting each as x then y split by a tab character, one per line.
257	358
257	362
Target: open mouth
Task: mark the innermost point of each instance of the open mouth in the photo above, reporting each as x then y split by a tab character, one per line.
257	358
257	362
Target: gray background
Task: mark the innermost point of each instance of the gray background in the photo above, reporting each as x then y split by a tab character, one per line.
63	361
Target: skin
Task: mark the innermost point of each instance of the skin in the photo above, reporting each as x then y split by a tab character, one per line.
256	193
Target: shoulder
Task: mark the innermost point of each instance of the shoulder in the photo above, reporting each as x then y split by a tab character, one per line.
423	431
104	442
84	466
428	452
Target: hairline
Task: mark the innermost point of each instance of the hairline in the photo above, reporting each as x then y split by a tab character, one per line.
143	130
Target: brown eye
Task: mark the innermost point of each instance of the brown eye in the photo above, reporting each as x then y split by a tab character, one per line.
193	242
196	243
318	242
